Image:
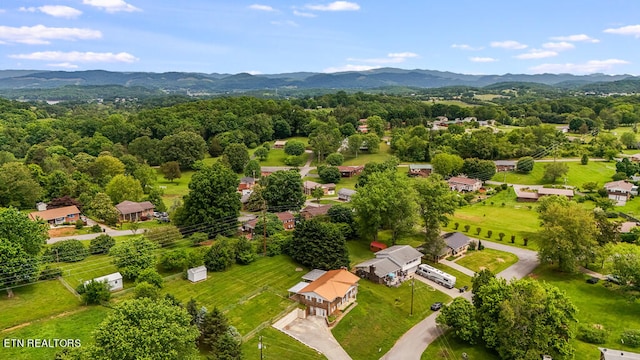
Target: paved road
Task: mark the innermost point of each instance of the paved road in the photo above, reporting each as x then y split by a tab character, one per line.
415	341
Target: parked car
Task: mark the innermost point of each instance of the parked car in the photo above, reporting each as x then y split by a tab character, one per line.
463	289
162	219
593	280
613	279
436	306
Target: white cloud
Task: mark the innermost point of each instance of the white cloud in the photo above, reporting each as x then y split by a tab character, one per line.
465	47
55	11
65	65
349	67
303	14
285	23
335	6
77	56
589	67
392	58
576	38
40	34
632	30
558	46
261	7
508	44
111	6
482	59
536	54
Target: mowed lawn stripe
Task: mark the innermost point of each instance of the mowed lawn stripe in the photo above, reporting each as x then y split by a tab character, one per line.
490	259
36	301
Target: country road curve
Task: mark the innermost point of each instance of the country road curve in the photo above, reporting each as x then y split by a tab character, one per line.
415	341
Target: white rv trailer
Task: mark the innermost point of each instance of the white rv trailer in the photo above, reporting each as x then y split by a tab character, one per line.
436	275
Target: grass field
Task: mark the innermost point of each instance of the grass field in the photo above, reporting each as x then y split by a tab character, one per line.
364	157
278	345
249	294
597	304
493	260
37	301
596	171
461	279
176	189
382	316
92	267
448	346
513	218
77	325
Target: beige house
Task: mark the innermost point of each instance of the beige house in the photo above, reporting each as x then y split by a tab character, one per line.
464	184
334	290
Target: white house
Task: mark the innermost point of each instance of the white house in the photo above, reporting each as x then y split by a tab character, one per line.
114	280
620	191
197	273
345	194
404	256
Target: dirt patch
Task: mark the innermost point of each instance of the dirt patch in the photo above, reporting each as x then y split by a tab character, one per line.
500	260
62	231
598	326
533	276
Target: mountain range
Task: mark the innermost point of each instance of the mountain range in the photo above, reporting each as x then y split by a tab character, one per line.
186	83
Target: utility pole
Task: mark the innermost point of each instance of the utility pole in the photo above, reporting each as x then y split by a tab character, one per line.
412	288
260	346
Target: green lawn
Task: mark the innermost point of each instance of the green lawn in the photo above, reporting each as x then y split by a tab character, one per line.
514	218
277	156
92	267
448	346
37	301
278	345
176	189
461	279
493	260
359	251
596	171
249	294
364	157
610	307
77	325
382	315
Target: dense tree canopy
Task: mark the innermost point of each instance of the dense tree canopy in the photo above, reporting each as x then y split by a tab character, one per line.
282	190
145	328
213	202
319	245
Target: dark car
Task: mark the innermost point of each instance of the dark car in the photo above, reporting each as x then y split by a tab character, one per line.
436	306
613	279
463	289
593	280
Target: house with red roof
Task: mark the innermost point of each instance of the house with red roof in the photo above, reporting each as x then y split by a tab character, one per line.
58	216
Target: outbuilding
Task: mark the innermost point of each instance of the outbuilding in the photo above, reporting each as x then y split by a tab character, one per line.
197	273
113	280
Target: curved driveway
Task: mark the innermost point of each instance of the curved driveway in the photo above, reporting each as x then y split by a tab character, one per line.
415	341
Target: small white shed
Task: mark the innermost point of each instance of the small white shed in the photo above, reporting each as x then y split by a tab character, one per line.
197	273
114	280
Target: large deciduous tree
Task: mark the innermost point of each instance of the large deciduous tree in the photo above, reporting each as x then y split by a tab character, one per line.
252	169
447	164
171	170
101	207
133	256
294	147
185	147
525	165
479	169
435	201
568	235
460	315
386	201
555	170
212	202
123	187
237	156
320	245
17	186
145	328
17	228
283	190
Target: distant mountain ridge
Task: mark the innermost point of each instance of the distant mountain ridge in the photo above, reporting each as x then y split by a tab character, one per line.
186	82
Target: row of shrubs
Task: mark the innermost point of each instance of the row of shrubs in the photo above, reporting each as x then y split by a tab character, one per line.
594	334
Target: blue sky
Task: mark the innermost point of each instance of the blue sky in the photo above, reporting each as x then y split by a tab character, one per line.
474	37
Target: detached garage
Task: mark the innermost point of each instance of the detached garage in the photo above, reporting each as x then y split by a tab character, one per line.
197	274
